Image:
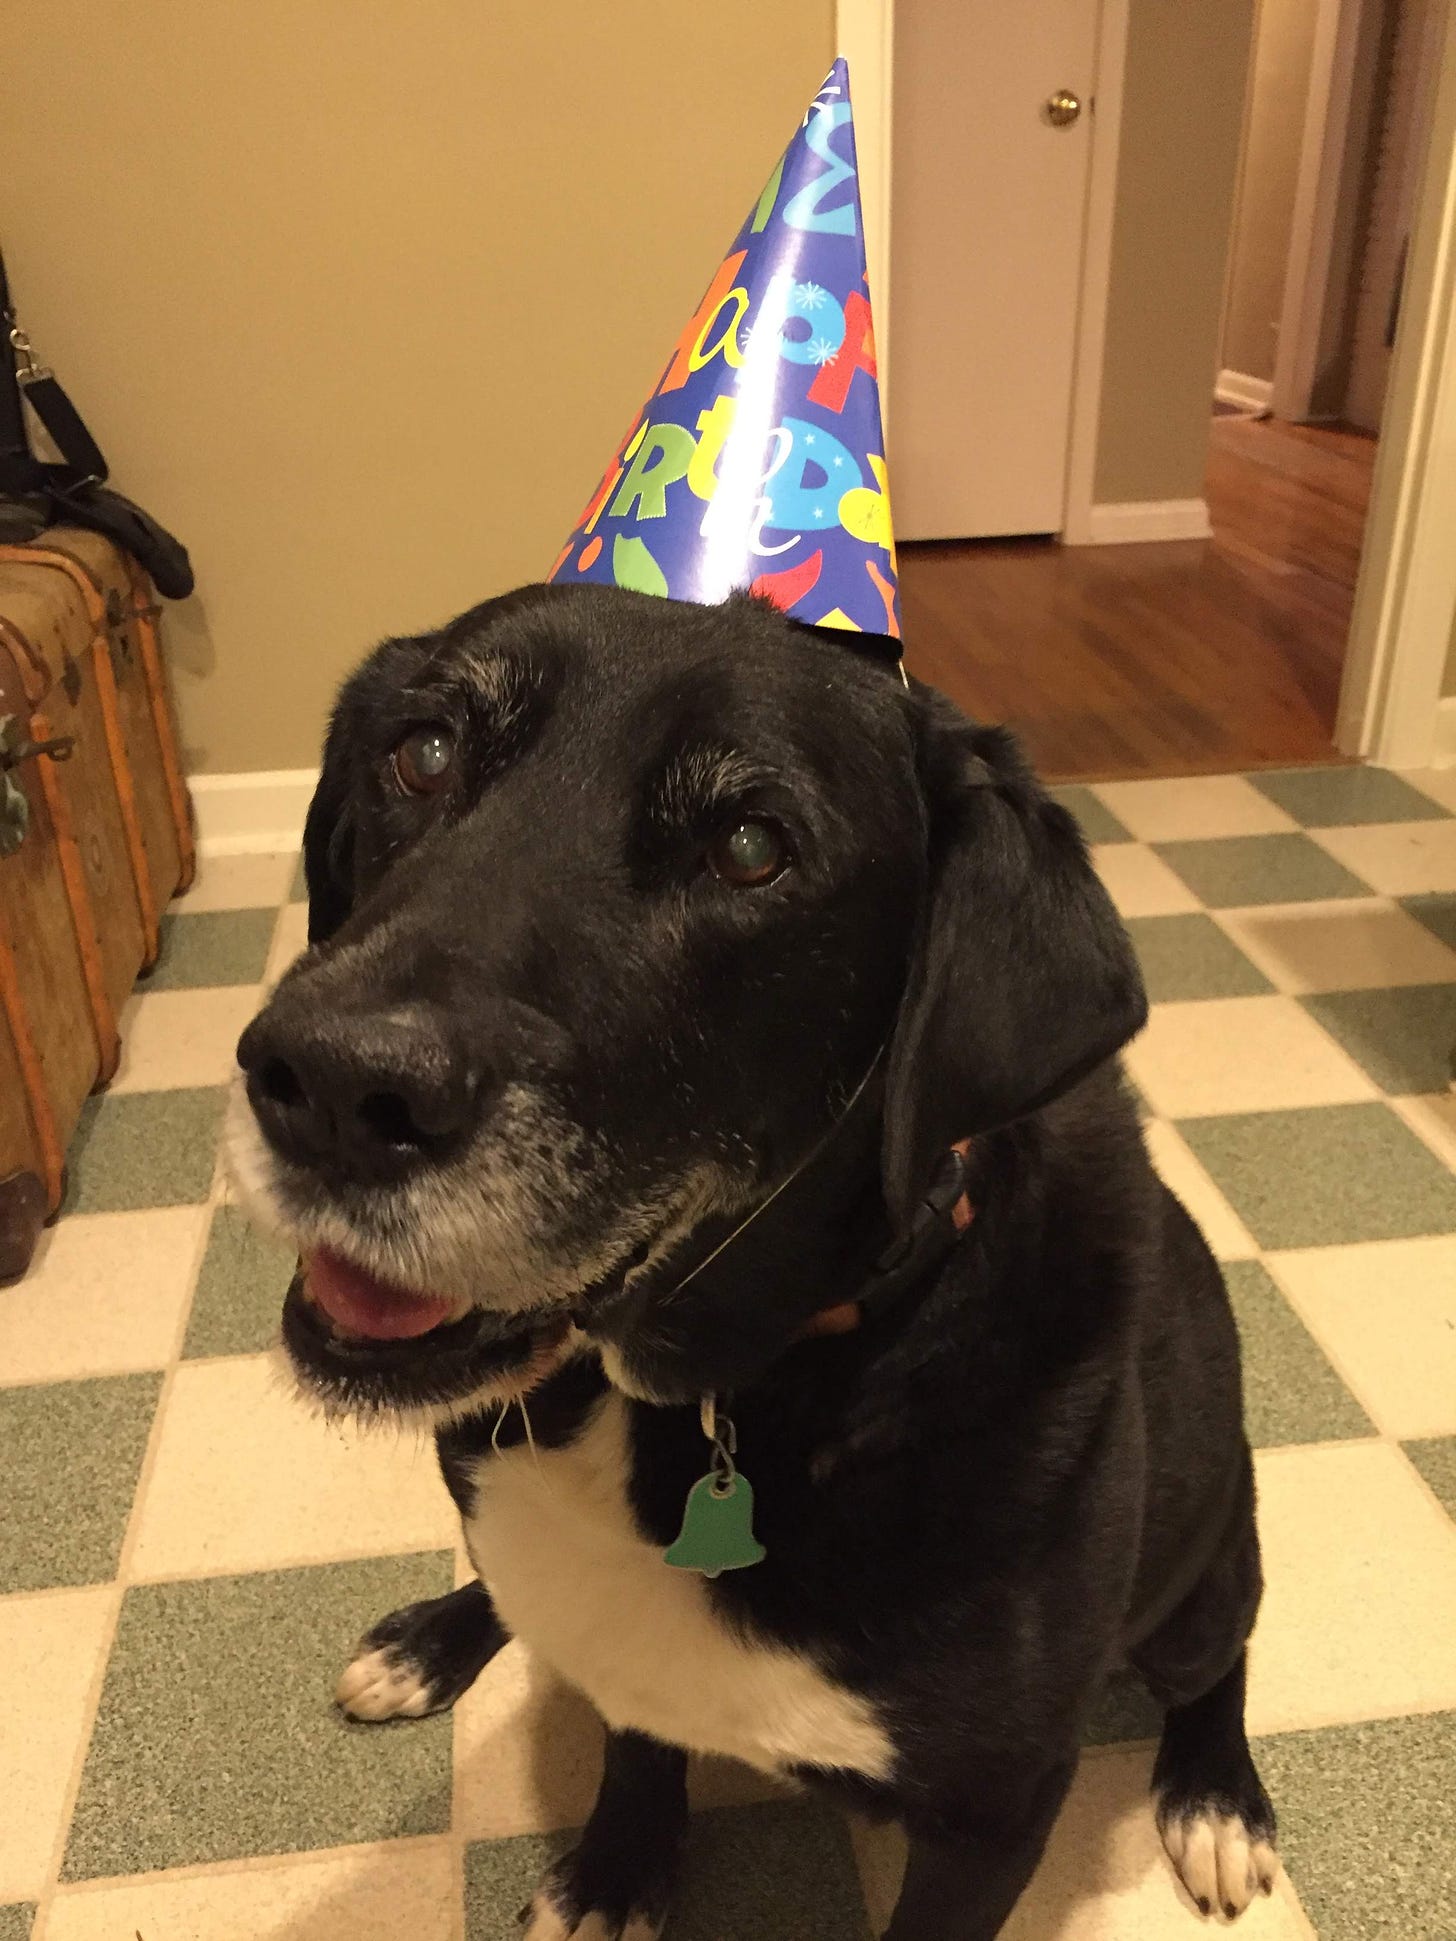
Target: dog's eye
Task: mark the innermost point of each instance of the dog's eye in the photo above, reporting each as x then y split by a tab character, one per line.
424	759
750	853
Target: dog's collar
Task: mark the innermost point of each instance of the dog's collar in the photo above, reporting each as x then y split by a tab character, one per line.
717	1525
940	1217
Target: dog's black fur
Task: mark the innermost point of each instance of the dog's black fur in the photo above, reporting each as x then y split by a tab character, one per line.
1030	1469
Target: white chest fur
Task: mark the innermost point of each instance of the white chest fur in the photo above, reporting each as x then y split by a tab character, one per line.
556	1545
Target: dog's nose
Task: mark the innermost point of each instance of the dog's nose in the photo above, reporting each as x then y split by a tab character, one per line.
375	1093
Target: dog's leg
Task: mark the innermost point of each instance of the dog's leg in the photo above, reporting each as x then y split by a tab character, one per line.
1213	1813
1212	1810
616	1884
419	1660
962	1883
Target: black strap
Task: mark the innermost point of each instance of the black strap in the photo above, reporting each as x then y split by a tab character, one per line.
73	492
30	382
15	456
923	1242
78	449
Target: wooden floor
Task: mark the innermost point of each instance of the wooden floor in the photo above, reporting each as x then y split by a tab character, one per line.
1186	657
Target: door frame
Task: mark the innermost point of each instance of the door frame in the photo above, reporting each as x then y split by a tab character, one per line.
866	36
1339	28
1391	707
1310	263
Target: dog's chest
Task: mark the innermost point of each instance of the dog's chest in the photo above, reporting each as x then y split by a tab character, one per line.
555	1542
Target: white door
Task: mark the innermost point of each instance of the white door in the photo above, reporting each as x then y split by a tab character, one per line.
988	191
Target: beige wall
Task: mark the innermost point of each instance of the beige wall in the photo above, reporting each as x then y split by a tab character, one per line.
1187	66
359	294
1268	177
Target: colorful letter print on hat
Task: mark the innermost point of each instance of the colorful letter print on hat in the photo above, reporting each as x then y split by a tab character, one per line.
758	461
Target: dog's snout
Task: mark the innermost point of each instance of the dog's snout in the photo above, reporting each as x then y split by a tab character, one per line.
373	1093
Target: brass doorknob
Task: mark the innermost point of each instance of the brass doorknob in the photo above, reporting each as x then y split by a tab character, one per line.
1063	108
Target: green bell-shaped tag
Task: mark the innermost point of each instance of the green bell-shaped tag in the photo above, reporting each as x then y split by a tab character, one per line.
717	1527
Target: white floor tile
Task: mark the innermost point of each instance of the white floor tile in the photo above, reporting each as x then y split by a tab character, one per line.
247	1477
105	1294
387	1893
1194	808
1360	1567
176	1038
50	1648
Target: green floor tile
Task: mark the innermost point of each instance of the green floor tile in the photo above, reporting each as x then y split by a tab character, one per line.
1325	1175
1435	1458
72	1453
1230	872
134	1149
1437	911
1098	822
783	1871
240	1289
1404	1038
1190	957
16	1920
1126	1711
1323	798
217	1736
1291	1393
298	890
213	947
1367	1825
500	1878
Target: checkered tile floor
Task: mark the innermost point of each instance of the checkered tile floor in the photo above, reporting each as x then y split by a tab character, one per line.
186	1556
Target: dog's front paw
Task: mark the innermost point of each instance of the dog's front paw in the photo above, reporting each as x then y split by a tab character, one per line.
580	1900
1222	1847
419	1660
384	1683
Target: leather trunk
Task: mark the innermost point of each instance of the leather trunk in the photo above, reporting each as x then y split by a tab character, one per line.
95	837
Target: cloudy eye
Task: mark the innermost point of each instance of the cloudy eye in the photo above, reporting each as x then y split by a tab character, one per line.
751	853
424	759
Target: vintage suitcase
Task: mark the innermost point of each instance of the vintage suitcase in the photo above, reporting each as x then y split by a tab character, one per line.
95	837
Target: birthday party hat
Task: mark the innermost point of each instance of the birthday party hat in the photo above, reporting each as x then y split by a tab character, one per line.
758	460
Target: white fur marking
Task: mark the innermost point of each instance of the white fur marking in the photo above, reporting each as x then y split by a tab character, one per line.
548	1924
557	1548
1217	1862
377	1686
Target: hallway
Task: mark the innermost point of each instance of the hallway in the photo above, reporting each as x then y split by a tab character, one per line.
1184	657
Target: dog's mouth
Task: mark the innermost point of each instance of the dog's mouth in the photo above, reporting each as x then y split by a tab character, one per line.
373	1344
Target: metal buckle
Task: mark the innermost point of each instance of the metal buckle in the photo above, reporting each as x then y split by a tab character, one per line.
721	1432
28	367
15	748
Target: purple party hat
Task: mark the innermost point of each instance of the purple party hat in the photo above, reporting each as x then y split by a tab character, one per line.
758	461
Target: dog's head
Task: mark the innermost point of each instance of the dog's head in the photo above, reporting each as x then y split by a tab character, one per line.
614	904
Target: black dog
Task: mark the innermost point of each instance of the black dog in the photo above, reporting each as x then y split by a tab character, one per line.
696	1012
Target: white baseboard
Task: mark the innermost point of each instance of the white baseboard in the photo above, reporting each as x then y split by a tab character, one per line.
237	814
1144	519
1248	393
1443	754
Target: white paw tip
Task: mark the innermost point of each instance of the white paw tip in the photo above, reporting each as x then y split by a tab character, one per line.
1217	1861
547	1923
378	1686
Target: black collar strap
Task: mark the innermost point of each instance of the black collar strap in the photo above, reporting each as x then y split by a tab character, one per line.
938	1221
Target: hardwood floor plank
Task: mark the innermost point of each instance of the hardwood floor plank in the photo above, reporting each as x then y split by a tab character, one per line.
1187	657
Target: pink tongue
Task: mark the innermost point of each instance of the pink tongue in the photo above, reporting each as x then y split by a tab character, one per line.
358	1303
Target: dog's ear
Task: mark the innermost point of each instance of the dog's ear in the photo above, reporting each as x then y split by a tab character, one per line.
1022	977
328	839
